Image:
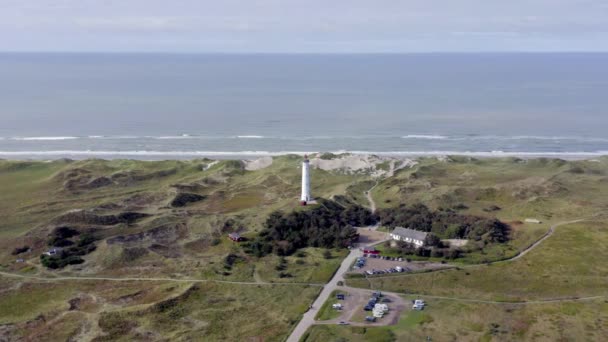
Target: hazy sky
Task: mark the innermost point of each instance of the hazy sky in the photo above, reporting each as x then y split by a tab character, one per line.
303	26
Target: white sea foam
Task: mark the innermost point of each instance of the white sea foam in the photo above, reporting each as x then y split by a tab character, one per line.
534	137
424	136
43	138
250	136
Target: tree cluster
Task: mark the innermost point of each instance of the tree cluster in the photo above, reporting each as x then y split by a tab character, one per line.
328	224
445	224
71	254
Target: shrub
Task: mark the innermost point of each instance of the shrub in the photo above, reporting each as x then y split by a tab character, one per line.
19	250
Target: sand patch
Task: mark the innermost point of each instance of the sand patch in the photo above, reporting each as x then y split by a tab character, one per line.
258	164
374	165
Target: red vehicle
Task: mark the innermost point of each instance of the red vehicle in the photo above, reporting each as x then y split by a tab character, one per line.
371	251
235	237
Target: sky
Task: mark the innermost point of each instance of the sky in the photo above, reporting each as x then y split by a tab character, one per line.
306	26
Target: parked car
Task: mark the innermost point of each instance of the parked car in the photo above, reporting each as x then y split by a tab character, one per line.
370	318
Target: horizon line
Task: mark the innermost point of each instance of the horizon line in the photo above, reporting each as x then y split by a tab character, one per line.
299	53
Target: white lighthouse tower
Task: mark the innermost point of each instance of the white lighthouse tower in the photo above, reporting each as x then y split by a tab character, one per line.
305	198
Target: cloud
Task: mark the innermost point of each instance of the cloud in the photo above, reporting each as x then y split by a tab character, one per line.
132	23
292	25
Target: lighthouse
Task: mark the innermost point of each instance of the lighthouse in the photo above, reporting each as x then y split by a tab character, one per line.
305	198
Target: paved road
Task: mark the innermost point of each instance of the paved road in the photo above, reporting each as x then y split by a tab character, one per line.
309	317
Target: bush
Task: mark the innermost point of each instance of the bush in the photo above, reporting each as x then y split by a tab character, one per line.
182	199
230	260
72	254
327	254
20	250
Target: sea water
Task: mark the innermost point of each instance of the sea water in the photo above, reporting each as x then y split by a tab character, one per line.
157	106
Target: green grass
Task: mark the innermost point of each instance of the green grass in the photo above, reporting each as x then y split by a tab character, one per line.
222	312
568	264
320	333
217	311
446	320
327	312
312	267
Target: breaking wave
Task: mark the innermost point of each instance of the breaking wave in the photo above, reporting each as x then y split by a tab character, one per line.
277	153
44	138
425	136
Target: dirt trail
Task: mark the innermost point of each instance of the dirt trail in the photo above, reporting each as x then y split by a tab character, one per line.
178	280
370	199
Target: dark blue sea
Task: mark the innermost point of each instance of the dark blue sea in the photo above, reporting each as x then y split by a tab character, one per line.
160	106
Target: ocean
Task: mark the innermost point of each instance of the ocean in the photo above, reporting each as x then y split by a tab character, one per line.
162	106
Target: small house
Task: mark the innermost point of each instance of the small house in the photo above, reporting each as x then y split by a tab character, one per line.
236	237
53	251
408	235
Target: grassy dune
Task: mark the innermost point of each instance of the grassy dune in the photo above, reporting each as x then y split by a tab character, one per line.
188	240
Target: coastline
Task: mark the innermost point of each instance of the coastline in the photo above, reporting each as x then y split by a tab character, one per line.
186	155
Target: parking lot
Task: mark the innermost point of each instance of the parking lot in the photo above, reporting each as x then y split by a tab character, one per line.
379	265
357	299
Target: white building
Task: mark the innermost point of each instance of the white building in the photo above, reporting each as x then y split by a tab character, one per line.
414	237
305	198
